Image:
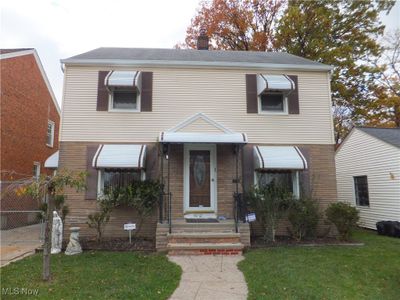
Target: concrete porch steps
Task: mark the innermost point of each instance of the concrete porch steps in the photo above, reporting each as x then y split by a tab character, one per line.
205	248
202	238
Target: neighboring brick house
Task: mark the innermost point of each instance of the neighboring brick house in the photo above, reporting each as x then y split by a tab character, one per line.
30	120
208	124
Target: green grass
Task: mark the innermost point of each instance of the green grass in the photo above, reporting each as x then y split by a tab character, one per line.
331	272
95	275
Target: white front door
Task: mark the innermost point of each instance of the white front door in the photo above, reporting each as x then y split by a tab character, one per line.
200	178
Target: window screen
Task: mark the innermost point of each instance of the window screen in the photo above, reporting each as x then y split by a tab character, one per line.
124	100
273	102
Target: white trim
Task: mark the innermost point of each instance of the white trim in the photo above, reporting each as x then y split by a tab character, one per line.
100	180
295	182
42	71
196	117
51	145
111	103
270	112
194	64
213	177
37	175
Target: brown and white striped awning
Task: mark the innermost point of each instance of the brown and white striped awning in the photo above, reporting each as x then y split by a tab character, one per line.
279	158
124	79
120	157
266	82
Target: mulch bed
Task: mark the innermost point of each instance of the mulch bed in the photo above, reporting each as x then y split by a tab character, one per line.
259	242
116	244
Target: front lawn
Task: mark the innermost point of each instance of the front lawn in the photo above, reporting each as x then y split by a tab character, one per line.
331	272
95	275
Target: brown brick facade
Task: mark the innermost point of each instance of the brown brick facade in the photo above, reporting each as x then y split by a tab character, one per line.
26	106
73	156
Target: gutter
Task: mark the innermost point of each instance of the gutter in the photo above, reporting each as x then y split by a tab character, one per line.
192	64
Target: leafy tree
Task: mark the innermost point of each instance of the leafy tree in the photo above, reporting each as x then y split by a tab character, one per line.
49	187
385	110
235	24
343	34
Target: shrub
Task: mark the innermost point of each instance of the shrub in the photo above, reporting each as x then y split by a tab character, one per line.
345	218
99	219
270	203
303	217
140	195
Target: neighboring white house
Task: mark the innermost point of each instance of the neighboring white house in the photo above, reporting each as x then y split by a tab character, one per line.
368	173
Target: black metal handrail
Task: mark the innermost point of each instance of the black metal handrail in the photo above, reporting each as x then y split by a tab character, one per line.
165	209
240	210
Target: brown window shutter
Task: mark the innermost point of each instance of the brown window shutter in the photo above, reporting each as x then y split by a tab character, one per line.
102	93
251	93
293	99
248	168
146	96
91	179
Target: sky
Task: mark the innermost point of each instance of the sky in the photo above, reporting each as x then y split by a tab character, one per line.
63	28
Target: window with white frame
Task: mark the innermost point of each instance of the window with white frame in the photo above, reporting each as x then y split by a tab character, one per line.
36	170
50	133
273	102
117	178
361	190
286	179
123	99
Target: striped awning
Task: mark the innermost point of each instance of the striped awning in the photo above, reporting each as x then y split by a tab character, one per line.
279	158
120	157
267	82
124	79
194	137
52	161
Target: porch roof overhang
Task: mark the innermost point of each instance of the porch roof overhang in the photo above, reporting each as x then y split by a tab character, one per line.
120	157
279	158
195	137
52	161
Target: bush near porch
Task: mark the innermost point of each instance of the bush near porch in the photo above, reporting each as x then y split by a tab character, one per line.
328	272
95	275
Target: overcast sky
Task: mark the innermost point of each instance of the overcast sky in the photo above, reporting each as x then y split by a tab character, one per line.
63	28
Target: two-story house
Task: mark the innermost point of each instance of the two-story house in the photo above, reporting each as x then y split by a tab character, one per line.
207	124
30	118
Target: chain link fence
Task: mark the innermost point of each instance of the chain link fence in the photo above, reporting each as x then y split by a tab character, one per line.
20	214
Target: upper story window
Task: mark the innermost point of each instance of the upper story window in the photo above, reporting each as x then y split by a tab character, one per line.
273	91
361	190
124	90
50	133
124	100
273	102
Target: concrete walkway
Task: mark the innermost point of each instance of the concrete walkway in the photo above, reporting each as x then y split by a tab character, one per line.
210	277
18	243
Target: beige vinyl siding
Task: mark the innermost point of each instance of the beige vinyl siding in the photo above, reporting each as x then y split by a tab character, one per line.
180	93
362	154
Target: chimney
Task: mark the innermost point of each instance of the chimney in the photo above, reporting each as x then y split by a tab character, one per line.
202	40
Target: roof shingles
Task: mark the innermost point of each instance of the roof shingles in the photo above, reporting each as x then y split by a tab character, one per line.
191	55
388	135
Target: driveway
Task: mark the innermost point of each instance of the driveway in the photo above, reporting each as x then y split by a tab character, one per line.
18	243
210	277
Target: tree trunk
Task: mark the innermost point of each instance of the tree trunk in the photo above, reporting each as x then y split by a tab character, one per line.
47	238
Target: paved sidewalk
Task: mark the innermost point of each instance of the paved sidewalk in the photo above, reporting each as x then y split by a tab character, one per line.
18	243
210	277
